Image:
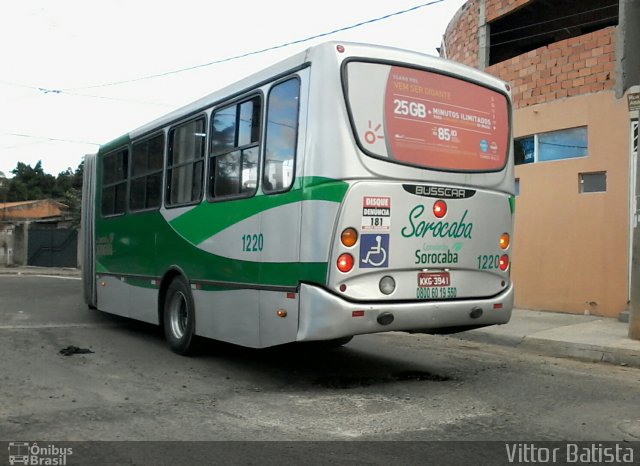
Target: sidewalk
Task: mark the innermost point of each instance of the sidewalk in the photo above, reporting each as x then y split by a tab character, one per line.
587	338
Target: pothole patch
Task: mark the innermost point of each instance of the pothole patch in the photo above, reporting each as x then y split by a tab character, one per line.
347	381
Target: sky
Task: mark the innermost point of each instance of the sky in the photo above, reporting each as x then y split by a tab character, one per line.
64	62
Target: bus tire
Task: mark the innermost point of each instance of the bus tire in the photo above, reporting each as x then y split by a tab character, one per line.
179	316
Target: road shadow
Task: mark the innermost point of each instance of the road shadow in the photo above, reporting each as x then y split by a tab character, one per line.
311	365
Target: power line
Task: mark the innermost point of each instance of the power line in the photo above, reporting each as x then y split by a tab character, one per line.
118	99
256	52
45	138
493	34
600	20
46	91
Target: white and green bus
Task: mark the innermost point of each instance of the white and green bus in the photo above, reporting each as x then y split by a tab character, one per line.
349	189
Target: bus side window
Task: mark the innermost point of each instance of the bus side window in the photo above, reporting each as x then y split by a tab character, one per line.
147	159
281	136
115	170
235	147
185	163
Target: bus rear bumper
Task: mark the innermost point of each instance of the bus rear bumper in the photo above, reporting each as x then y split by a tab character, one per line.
325	316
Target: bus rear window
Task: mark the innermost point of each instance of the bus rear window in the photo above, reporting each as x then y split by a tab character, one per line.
425	119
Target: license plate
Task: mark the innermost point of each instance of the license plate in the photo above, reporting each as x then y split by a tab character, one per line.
433	279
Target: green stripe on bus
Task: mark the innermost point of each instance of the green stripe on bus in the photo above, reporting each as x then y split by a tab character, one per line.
192	225
146	245
512	204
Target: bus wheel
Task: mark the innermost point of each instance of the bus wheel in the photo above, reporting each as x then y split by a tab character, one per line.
179	316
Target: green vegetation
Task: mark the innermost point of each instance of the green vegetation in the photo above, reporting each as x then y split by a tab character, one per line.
32	183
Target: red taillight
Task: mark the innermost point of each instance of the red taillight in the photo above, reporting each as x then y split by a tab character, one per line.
504	263
439	208
345	262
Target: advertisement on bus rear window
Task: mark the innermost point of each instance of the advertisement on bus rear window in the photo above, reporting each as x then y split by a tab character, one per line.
426	119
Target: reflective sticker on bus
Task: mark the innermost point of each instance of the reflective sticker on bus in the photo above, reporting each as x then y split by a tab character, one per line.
376	213
374	251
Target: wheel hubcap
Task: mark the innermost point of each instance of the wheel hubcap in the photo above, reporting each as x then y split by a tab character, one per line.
178	314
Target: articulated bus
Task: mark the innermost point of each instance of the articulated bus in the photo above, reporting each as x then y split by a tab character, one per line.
349	189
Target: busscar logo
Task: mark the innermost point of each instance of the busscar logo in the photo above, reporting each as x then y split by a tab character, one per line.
34	454
440	192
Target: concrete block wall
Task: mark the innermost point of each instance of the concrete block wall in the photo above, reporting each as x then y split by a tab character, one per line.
6	244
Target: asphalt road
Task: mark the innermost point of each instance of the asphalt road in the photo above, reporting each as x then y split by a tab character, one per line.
386	387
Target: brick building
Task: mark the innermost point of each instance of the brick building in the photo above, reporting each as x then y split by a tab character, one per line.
574	68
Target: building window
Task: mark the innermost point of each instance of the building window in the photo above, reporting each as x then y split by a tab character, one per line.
517	187
146	174
235	149
282	136
115	170
185	163
540	22
554	145
595	182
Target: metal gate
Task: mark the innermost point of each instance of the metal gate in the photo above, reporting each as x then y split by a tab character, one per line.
49	247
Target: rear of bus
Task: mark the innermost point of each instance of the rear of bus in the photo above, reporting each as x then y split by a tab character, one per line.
422	238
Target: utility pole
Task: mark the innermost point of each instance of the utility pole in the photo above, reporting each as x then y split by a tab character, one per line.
3	190
634	314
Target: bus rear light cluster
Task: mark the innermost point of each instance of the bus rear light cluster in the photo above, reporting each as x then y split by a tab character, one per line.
349	237
345	262
503	264
505	240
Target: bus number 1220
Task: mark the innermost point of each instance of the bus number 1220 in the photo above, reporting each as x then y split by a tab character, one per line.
252	243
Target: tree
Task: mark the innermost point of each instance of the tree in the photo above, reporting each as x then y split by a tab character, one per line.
68	190
32	183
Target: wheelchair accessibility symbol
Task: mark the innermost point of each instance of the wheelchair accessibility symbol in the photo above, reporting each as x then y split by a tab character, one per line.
374	251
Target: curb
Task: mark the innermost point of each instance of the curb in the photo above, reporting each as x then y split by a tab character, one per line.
595	341
582	351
